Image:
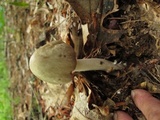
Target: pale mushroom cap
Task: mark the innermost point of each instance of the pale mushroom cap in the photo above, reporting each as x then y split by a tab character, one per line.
53	62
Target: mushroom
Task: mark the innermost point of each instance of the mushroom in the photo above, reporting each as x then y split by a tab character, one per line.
56	61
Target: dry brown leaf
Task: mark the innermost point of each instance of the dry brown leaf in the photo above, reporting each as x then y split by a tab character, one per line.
84	8
80	109
115	9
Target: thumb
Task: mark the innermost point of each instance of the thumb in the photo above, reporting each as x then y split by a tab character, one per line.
149	105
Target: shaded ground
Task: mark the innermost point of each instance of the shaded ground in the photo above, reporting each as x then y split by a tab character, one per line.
130	40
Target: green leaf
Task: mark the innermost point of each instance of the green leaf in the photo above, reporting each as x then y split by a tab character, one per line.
2	20
20	4
1	106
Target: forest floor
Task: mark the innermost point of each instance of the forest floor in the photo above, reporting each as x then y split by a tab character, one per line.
127	37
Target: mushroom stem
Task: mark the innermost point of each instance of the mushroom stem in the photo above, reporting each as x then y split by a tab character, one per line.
96	64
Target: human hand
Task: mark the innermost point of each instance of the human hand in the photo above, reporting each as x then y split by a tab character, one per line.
149	106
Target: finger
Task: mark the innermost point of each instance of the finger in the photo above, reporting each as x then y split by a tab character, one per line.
149	105
119	115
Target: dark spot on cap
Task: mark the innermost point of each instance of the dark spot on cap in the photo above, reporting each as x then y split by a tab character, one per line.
101	62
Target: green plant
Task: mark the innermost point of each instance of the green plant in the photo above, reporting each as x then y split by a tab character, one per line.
19	3
5	104
2	21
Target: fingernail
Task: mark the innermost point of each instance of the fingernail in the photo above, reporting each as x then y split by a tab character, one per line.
133	93
115	117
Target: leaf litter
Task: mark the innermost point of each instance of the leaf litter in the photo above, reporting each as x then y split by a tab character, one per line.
123	32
